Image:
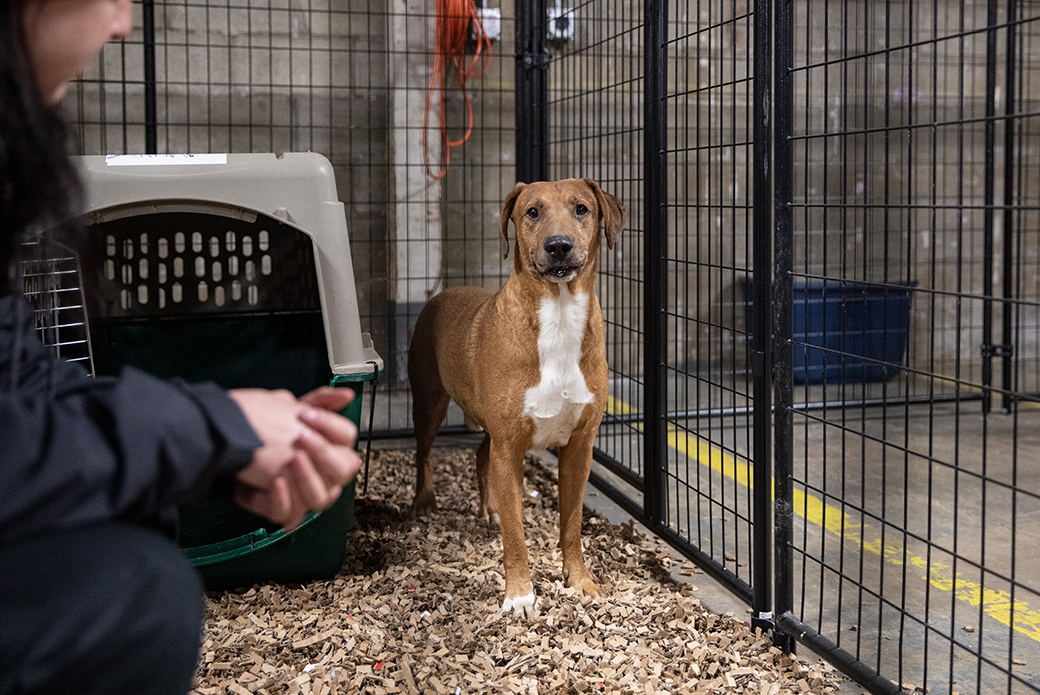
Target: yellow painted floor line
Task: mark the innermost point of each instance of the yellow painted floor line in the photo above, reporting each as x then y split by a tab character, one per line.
995	603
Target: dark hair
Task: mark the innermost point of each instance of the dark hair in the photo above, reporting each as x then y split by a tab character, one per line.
39	187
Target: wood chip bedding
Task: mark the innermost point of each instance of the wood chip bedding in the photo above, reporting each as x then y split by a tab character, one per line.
416	609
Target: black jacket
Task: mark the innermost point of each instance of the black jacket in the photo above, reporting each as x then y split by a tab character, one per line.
76	449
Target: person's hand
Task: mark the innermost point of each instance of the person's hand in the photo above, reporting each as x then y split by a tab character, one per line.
307	454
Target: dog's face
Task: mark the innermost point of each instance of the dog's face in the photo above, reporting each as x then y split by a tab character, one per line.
557	225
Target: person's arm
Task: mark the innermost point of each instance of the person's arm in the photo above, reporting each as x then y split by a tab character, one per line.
75	449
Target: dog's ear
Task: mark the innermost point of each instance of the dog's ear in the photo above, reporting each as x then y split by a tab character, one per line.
610	210
507	214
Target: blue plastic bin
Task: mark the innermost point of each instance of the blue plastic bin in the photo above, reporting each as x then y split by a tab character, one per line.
845	332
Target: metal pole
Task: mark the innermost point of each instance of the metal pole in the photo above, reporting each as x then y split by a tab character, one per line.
151	123
782	318
1010	308
988	348
761	361
532	113
655	272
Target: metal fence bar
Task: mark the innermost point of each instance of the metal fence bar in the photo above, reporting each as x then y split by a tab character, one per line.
655	235
849	664
1008	288
782	318
532	113
151	121
761	355
989	350
790	628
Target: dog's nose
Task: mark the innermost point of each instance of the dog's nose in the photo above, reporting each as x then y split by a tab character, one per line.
558	246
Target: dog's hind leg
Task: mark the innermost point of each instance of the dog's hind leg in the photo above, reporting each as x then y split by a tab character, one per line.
483	463
429	406
428	411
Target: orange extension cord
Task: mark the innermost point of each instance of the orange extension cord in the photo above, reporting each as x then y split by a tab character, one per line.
453	23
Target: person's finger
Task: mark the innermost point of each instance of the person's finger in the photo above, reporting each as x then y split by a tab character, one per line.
281	503
337	465
330	425
273	503
256	500
283	509
309	489
250	498
329	398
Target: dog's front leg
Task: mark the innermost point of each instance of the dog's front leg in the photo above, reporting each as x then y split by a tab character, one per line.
575	462
507	493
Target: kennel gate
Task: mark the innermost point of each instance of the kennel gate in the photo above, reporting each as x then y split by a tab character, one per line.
905	143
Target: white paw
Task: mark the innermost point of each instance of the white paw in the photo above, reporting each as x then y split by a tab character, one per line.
494	520
523	605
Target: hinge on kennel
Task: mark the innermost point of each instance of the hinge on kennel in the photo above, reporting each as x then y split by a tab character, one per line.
997	351
534	60
763	620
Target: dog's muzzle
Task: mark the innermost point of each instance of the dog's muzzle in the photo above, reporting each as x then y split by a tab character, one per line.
558	259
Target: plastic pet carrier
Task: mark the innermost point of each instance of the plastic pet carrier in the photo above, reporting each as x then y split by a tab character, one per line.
235	269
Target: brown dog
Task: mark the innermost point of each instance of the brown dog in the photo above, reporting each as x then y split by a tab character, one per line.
527	365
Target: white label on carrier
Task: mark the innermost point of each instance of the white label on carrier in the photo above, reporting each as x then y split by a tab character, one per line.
130	160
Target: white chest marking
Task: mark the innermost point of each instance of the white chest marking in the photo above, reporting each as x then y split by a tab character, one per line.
555	404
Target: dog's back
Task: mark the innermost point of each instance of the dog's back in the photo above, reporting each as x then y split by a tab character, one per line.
442	326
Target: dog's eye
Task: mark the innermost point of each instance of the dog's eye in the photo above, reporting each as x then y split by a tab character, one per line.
581	210
532	213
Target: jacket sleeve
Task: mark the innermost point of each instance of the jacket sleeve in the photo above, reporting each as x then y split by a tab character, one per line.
76	449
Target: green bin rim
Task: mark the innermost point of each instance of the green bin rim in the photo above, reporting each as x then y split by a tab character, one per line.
248	543
222	551
355	377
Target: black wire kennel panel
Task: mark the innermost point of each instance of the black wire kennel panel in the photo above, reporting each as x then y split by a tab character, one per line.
913	417
350	81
